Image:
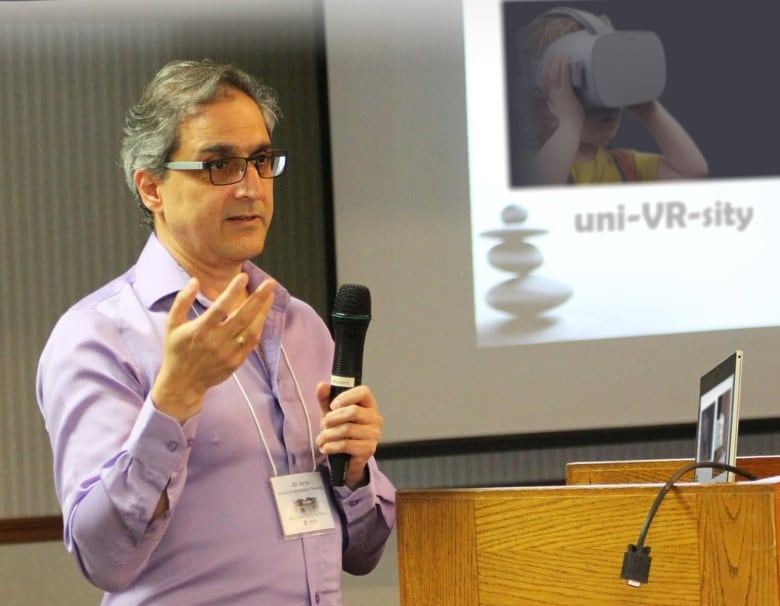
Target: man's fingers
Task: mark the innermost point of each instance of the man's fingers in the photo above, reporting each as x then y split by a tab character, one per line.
323	395
227	302
251	318
182	304
239	315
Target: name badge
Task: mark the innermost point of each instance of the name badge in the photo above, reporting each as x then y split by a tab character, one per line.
302	504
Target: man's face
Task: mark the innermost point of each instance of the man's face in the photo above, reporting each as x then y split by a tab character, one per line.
214	227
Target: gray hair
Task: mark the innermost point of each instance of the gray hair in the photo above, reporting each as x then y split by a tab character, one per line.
177	93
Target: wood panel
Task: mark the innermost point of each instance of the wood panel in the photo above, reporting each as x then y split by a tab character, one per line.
710	543
657	470
449	559
30	530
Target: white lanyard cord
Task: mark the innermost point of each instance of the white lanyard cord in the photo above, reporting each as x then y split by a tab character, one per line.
257	421
303	405
305	410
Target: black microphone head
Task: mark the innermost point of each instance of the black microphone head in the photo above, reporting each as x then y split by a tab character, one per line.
351	315
352	301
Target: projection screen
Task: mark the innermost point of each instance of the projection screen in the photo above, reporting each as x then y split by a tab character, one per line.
615	298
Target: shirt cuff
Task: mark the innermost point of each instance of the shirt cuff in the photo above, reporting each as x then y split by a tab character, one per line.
359	502
160	444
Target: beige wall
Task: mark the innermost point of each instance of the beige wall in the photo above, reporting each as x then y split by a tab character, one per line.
68	73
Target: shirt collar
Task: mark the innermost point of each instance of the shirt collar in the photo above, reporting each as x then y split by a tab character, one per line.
159	276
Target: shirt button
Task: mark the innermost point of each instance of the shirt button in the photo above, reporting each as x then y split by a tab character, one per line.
354	502
172	446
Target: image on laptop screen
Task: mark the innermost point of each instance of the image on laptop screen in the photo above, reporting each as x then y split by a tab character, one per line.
718	418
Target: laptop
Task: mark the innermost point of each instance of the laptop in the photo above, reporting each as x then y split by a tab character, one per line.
718	419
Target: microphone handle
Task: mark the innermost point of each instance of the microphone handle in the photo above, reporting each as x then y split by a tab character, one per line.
339	461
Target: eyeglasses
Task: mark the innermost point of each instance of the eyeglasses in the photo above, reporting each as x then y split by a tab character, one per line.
227	171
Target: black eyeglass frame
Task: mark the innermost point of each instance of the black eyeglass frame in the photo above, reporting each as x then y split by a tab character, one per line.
277	162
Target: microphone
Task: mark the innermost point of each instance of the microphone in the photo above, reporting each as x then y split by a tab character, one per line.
350	317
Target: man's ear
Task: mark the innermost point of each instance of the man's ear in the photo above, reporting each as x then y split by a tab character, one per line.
148	187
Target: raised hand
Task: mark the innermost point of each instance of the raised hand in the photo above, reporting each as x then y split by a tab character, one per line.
202	352
556	84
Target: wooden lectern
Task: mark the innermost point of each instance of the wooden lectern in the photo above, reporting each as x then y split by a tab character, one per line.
712	544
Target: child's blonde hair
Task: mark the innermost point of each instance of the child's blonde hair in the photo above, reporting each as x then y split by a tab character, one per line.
536	122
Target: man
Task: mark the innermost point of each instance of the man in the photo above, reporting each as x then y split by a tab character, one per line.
185	400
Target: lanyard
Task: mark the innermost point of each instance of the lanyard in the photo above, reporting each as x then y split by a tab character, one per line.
257	421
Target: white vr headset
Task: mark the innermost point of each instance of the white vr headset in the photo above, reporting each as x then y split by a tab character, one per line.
608	68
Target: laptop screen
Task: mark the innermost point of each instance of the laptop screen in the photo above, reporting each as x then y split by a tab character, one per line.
718	419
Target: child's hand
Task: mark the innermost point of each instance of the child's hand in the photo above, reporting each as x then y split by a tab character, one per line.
556	84
643	110
681	158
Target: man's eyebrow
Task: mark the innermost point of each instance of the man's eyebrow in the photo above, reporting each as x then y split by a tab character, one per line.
263	147
225	149
218	148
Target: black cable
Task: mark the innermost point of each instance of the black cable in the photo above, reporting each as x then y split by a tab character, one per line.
636	560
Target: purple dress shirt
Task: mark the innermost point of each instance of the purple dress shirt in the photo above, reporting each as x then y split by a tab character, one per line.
114	454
